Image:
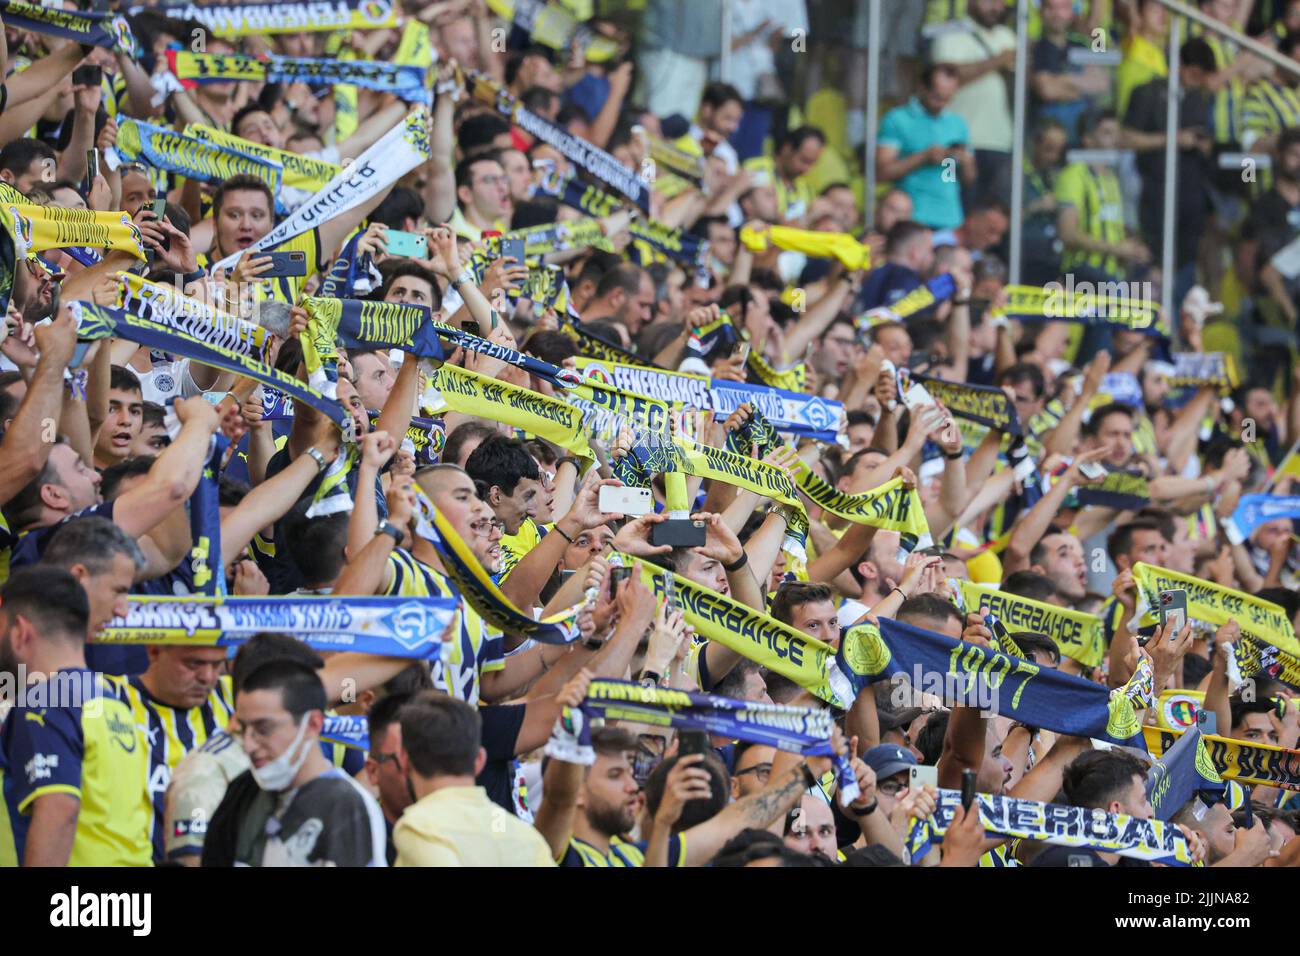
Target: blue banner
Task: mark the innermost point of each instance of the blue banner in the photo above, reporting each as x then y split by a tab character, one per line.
388	626
969	675
1184	770
1255	510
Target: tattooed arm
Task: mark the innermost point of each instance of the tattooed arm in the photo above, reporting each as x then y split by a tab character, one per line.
756	811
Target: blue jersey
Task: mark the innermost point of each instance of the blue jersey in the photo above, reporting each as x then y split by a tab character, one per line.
91	750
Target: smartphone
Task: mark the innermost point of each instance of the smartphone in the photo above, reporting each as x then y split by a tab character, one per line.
286	264
1092	470
409	245
87	76
920	775
678	533
626	501
566	575
967	787
514	248
617	575
692	742
916	397
92	165
1173	607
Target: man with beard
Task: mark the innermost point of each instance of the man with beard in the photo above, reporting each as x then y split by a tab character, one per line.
587	812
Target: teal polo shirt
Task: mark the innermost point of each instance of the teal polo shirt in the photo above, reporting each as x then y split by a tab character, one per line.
911	129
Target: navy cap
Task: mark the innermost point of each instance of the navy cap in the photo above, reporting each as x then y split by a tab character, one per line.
889	759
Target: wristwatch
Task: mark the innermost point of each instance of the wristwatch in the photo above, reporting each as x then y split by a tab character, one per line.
866	811
317	457
650	679
387	527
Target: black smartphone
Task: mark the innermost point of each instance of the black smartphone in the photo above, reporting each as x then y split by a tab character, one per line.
92	165
678	533
617	575
286	264
514	248
87	76
692	742
967	788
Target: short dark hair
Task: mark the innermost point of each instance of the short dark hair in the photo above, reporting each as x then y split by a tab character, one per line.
1030	584
121	379
266	647
317	545
1024	372
700	809
92	541
1096	777
553	347
299	684
1031	641
465	168
902	234
478	133
244	112
241	182
502	462
625	276
732	684
1198	52
929	739
1093	425
111	478
1240	708
718	94
793	594
795	138
463	433
406	267
441	735
929	607
399	205
385	712
51	598
1121	539
19	154
934	69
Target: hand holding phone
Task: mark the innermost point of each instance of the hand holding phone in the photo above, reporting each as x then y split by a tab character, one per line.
692	742
632	502
514	248
967	788
921	776
408	245
1173	609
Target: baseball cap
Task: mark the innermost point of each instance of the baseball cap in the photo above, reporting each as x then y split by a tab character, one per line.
889	759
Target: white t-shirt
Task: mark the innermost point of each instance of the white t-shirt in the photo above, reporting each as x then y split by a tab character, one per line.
983	104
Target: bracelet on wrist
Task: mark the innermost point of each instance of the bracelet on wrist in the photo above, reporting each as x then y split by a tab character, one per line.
865	811
561	532
466	275
900	591
736	565
316	456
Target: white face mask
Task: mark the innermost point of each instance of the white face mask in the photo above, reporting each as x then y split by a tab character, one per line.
278	774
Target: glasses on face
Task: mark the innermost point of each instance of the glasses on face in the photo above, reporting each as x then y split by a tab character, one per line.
261	731
891	788
382	759
761	771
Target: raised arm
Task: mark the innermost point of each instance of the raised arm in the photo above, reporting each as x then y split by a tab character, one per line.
24	451
173	477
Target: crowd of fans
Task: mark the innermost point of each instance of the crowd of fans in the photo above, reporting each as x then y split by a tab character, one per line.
204	753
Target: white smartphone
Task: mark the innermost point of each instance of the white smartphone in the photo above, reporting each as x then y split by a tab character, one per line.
1092	470
626	501
916	397
921	775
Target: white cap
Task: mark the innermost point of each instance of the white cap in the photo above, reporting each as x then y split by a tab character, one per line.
1199	306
